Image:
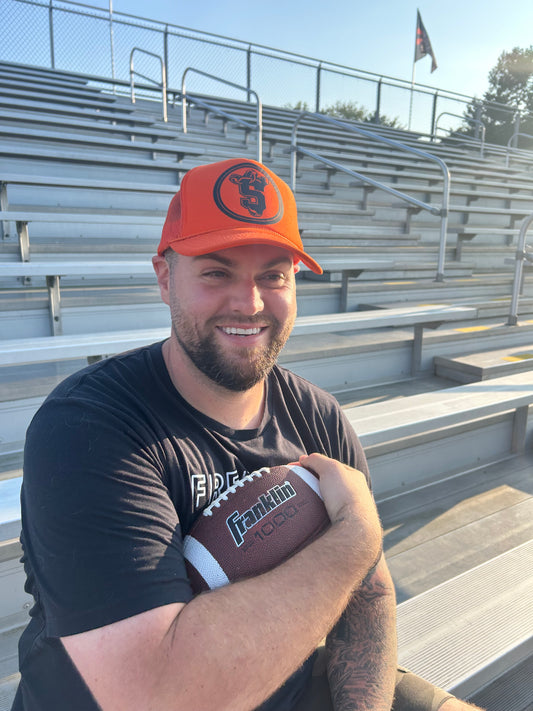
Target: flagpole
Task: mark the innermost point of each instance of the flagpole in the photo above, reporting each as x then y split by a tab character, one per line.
413	75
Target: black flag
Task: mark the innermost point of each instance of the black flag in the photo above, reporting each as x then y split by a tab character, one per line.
422	43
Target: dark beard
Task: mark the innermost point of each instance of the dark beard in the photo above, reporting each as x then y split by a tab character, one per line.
203	352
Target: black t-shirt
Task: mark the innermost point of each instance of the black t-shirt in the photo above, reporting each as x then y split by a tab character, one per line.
117	467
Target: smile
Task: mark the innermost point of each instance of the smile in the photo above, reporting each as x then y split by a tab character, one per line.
232	331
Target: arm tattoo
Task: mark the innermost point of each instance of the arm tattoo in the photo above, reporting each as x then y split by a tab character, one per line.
371	589
362	650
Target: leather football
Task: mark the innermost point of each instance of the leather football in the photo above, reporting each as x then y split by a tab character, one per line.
254	525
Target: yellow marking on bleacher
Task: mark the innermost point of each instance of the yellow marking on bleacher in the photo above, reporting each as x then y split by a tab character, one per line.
518	356
394	283
470	329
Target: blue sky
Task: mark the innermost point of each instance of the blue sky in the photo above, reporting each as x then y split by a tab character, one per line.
467	35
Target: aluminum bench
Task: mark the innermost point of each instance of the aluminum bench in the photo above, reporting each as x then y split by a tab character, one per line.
23	218
34	86
79	140
66	98
120	115
58	347
406	417
67	124
53	271
468	631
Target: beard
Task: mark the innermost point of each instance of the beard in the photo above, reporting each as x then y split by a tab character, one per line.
244	368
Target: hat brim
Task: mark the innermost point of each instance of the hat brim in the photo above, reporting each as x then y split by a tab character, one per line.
221	239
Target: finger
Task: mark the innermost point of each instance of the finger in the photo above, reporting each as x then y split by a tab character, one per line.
318	463
322	465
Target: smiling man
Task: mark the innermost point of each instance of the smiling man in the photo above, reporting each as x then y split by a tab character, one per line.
122	458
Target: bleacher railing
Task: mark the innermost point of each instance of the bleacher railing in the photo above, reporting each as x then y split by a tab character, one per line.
512	146
522	255
441	212
475	122
257	127
58	26
160	85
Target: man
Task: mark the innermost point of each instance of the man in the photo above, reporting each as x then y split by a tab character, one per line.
124	455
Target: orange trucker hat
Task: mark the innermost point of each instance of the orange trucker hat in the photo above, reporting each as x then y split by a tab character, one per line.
231	203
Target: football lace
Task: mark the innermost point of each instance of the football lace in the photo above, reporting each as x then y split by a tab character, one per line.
208	511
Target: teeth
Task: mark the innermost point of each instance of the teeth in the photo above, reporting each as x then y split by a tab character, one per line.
241	331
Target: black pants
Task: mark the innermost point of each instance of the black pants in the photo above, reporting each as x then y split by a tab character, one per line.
412	693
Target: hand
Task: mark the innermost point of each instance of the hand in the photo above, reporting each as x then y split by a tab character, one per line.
348	499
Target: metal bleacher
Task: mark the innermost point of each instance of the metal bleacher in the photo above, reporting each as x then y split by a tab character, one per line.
85	180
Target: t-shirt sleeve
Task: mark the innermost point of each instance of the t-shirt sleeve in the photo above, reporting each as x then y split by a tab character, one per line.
100	531
354	454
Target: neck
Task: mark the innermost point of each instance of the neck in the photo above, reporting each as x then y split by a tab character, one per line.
239	410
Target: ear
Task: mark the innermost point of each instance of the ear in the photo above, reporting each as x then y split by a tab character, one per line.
162	273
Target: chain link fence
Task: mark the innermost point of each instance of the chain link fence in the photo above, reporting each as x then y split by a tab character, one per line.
81	38
23	33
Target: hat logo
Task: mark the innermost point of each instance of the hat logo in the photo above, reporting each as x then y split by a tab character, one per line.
247	193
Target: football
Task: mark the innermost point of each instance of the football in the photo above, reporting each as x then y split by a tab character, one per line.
256	524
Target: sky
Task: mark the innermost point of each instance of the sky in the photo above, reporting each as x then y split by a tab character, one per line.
467	36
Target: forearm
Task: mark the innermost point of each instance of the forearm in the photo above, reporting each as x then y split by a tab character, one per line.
243	627
361	649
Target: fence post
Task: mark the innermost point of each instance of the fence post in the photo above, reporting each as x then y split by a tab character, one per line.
434	115
477	117
165	53
111	42
249	71
51	31
516	129
318	73
378	102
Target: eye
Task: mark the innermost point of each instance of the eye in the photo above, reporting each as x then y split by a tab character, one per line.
215	274
275	278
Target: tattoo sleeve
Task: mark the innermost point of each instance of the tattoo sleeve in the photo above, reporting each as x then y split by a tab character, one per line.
361	648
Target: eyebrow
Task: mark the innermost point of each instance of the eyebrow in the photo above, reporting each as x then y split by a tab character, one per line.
217	257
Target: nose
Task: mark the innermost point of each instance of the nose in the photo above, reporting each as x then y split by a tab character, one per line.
246	298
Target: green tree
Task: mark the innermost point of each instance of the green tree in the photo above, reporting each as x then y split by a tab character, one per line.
298	106
352	111
349	110
510	91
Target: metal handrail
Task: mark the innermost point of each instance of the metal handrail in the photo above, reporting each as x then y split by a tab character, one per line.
442	211
510	149
521	256
469	120
162	85
258	126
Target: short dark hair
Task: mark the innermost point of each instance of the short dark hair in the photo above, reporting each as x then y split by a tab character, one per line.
170	257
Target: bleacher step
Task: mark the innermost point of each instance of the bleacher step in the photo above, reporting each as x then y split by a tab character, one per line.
512	691
8	688
439	624
8	651
473	367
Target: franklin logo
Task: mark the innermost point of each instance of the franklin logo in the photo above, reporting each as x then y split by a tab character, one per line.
247	193
239	524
